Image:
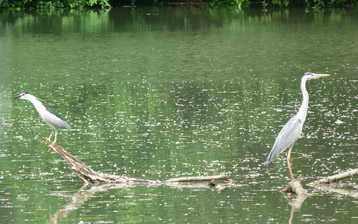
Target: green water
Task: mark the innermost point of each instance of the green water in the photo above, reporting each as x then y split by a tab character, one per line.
156	93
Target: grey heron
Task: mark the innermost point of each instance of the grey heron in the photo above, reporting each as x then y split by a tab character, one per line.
292	130
51	118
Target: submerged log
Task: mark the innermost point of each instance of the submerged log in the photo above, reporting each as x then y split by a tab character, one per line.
295	187
338	190
334	178
200	178
88	175
88	191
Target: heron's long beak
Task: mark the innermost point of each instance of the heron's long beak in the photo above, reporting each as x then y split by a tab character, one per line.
17	96
322	75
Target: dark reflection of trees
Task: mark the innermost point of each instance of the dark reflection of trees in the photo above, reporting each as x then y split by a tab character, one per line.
173	18
183	18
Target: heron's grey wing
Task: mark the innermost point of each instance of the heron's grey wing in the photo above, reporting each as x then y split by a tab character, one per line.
287	136
57	120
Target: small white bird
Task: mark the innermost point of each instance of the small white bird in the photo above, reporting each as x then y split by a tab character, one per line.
50	117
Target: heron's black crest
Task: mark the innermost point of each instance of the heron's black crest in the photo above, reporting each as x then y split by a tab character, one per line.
24	93
308	73
21	94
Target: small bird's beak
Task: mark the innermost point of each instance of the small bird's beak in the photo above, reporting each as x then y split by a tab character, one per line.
322	75
17	96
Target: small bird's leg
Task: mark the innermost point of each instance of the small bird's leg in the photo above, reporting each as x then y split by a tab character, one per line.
49	138
289	162
54	142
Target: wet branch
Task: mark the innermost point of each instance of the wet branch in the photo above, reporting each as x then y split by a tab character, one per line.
88	175
199	178
334	178
295	187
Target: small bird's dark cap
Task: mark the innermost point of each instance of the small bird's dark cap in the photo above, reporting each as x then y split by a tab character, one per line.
21	94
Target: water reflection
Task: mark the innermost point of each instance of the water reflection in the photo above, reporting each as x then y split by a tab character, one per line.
295	204
190	127
156	93
87	192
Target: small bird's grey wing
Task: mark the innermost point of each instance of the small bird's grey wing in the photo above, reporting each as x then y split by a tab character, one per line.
57	120
287	136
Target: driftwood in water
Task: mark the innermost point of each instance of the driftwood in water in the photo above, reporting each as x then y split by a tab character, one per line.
200	178
295	187
88	191
88	175
336	189
330	179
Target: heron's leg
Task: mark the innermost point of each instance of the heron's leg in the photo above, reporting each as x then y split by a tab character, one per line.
49	138
289	162
54	142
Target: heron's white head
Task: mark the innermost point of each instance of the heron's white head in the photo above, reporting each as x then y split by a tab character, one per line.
310	75
26	96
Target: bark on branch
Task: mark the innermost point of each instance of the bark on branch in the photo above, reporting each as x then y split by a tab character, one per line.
88	175
295	187
200	178
330	179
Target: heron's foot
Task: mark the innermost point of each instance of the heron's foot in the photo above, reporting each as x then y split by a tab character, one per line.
295	187
53	144
48	140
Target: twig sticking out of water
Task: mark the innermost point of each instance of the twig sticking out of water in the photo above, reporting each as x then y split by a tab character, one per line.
330	179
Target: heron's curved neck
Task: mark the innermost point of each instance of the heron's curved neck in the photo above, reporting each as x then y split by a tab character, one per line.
37	104
305	98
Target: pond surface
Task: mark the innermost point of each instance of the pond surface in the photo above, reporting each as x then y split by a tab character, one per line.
156	93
